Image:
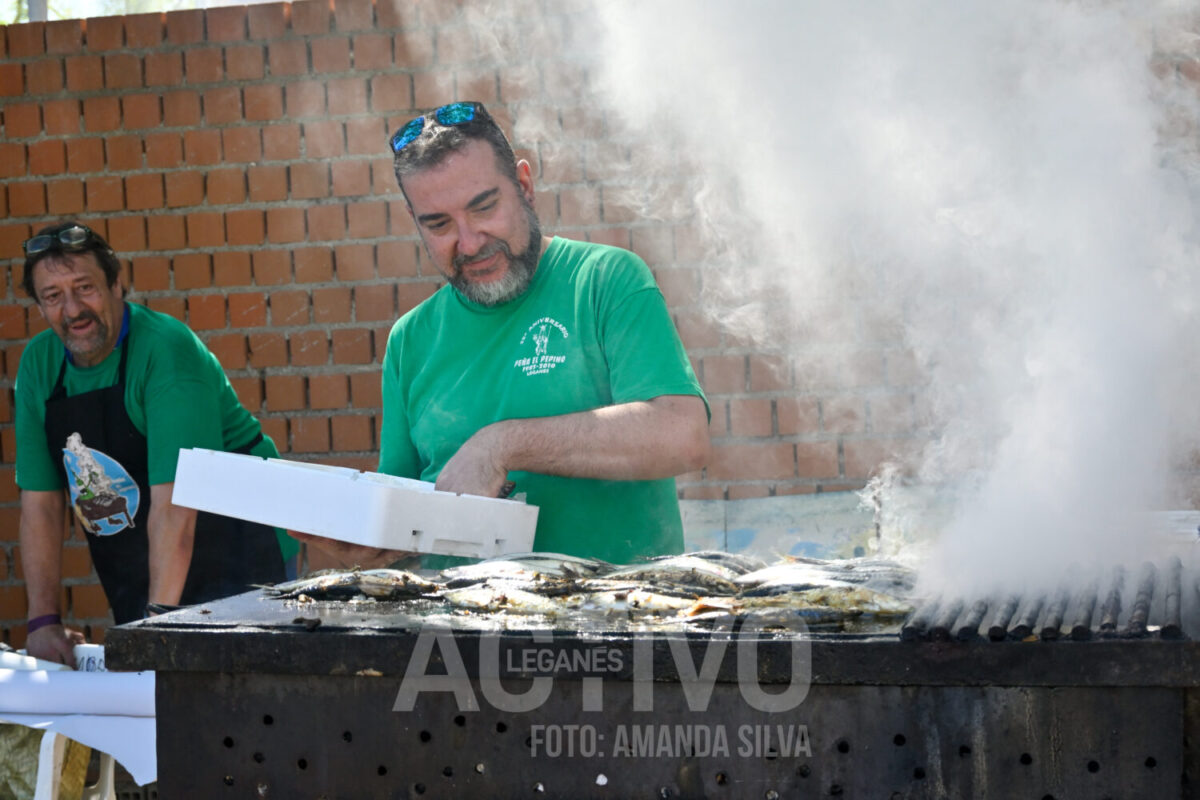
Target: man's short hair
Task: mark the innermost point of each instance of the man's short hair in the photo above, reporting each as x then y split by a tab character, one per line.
436	142
94	244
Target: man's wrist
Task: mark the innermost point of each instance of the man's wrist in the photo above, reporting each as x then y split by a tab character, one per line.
43	621
503	444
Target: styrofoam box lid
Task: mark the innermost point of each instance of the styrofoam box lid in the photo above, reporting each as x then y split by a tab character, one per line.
367	508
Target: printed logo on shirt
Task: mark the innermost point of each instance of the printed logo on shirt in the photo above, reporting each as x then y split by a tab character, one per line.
103	496
545	337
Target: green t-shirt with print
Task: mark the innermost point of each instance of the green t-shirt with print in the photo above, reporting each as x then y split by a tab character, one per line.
592	330
176	395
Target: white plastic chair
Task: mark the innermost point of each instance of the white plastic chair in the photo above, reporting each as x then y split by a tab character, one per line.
50	767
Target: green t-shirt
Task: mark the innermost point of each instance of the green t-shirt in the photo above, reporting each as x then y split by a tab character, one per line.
592	330
176	395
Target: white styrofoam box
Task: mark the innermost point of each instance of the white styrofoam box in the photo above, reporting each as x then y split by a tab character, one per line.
366	508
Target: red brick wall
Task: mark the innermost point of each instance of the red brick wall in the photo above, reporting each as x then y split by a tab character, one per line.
236	158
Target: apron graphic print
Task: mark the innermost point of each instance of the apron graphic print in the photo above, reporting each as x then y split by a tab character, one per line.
104	497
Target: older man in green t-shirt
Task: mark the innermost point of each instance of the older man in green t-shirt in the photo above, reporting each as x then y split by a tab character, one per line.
546	363
105	399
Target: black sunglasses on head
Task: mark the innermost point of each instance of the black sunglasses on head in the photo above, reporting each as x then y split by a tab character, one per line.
70	240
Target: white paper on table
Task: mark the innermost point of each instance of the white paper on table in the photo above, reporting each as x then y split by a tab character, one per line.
123	694
130	740
79	705
10	659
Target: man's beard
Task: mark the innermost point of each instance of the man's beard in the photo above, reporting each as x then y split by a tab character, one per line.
520	268
82	348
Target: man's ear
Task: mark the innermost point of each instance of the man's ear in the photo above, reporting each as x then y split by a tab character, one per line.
525	178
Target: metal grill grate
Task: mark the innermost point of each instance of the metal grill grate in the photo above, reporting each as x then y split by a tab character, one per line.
1148	607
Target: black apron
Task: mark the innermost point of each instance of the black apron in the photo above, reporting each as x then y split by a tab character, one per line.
228	555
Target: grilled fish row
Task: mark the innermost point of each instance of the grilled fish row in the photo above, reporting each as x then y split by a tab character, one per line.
701	586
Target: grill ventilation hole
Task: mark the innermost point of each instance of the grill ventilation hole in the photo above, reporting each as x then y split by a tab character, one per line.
501	727
843	746
1093	766
381	770
229	780
1026	759
419	788
347	736
227	741
899	740
963	751
259	758
425	736
268	719
919	774
448	772
1151	763
302	763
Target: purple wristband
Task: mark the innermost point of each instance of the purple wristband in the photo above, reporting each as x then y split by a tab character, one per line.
43	621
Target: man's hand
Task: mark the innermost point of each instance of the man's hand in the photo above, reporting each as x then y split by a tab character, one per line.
477	467
351	555
54	643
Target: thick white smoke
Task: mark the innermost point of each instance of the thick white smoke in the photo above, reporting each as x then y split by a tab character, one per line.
997	188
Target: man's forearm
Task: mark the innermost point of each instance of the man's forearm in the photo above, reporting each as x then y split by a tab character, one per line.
648	440
171	533
631	441
41	536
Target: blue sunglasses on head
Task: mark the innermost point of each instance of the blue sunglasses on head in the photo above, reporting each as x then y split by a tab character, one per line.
448	115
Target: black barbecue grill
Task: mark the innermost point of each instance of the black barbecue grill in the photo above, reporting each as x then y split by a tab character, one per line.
1074	695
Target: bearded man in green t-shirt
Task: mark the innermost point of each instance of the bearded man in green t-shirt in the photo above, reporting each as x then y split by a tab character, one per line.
546	364
105	399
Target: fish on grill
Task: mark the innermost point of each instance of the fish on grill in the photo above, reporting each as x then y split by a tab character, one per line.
611	599
738	563
523	567
501	598
703	575
383	584
700	587
848	600
807	573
